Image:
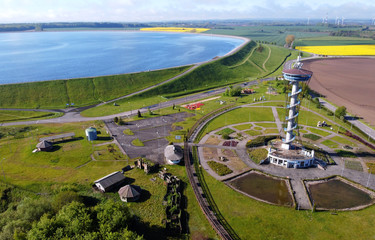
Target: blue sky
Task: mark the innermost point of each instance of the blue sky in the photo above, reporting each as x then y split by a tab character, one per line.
165	10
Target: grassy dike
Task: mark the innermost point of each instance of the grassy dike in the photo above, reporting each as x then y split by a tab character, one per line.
247	64
81	91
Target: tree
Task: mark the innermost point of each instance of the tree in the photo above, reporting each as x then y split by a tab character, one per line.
340	112
139	114
289	39
115	119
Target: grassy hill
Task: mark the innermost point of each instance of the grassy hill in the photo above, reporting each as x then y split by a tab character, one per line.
82	91
239	67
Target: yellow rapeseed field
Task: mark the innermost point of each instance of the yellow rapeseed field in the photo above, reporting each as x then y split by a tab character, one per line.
345	50
176	29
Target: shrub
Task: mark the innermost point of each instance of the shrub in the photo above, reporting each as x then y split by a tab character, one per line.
260	141
311	136
219	168
344	153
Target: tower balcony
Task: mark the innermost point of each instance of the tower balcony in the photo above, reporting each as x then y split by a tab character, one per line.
292	117
294	105
295	93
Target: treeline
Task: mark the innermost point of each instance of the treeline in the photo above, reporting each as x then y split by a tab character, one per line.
41	26
64	214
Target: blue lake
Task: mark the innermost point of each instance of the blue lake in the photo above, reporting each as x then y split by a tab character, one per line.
38	56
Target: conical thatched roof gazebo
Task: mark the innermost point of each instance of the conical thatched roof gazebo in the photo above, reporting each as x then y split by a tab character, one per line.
130	193
44	146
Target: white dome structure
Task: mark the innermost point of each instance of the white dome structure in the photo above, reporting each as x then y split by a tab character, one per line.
173	154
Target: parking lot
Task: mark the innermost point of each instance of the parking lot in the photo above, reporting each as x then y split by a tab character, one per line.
151	132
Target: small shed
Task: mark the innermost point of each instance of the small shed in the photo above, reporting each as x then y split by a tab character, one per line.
44	146
91	134
173	154
130	193
110	181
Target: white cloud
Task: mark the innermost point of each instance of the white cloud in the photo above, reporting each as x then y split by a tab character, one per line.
157	10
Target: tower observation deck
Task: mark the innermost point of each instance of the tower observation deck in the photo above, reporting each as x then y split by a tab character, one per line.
285	153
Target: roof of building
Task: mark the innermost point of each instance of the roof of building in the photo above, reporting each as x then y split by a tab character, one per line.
173	152
44	144
65	135
297	71
111	179
130	191
91	129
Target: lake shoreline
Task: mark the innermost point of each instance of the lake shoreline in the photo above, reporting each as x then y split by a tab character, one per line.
234	50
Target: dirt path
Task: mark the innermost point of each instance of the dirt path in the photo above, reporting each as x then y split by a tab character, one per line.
269	55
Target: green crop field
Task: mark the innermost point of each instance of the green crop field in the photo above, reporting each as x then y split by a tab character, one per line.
333	41
272	34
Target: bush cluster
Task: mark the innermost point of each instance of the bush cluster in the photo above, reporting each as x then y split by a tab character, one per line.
219	168
260	141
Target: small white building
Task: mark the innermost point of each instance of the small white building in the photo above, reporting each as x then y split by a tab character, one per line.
110	181
173	154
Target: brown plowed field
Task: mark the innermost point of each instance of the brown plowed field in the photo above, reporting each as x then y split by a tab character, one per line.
348	82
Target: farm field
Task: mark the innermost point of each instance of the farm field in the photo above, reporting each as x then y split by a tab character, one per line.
333	41
271	34
334	79
176	29
343	50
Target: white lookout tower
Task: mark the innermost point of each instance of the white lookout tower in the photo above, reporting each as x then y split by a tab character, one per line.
285	153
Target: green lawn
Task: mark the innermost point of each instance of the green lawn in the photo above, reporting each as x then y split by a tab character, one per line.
253	132
330	144
109	152
243	126
252	219
128	132
319	132
65	164
304	118
270	130
225	131
343	141
311	136
266	125
138	143
14	116
245	114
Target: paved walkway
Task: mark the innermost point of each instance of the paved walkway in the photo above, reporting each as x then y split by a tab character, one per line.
278	122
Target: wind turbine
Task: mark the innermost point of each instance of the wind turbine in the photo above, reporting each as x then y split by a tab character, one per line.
308	21
342	21
337	22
